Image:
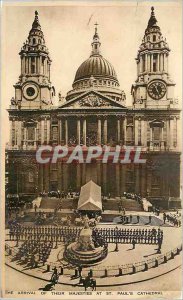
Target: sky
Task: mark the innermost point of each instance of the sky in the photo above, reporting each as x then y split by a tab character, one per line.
68	30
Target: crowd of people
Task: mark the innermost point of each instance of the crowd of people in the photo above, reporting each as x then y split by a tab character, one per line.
34	252
174	219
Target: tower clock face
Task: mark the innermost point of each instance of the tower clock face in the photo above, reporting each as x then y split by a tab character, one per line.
156	90
30	91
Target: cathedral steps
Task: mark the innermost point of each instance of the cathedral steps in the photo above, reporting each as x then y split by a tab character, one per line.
110	204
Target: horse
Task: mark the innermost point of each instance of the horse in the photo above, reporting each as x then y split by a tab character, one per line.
54	279
88	282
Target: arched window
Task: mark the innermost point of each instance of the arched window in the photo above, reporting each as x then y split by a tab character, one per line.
34	41
154	38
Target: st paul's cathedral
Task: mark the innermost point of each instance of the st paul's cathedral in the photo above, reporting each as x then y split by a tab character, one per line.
94	112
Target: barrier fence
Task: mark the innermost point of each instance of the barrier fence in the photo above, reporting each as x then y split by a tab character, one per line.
108	271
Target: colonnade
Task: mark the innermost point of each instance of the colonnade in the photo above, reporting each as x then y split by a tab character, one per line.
43	133
41	68
146	62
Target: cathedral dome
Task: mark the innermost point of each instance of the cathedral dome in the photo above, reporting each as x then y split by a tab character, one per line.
97	66
96	73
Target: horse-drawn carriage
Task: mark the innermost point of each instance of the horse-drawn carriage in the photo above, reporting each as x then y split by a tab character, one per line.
88	282
79	221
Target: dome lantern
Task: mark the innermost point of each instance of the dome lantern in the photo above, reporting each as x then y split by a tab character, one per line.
96	42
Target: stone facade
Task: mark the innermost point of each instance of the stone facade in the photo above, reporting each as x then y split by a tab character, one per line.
94	112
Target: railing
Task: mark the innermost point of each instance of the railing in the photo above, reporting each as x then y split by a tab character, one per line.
108	271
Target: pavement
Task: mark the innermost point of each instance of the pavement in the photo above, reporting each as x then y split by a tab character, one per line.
152	273
172	239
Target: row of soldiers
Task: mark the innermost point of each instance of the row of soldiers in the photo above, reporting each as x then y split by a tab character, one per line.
34	252
141	236
25	231
60	233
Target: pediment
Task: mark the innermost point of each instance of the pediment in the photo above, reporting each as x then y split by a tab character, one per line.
92	100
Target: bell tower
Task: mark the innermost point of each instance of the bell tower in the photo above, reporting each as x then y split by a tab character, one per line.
153	87
34	90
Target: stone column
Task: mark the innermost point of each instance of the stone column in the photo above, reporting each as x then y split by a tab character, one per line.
164	62
162	134
171	133
10	136
78	180
151	137
48	131
25	138
84	131
99	172
35	136
45	64
19	134
151	62
178	131
105	131
117	179
40	183
42	131
142	132
137	181
143	179
138	70
118	131
60	130
38	65
65	173
99	131
29	65
168	133
136	131
149	176
23	65
146	63
83	174
158	62
15	133
167	63
141	70
123	179
124	130
66	132
46	177
161	62
78	131
59	175
162	138
104	172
